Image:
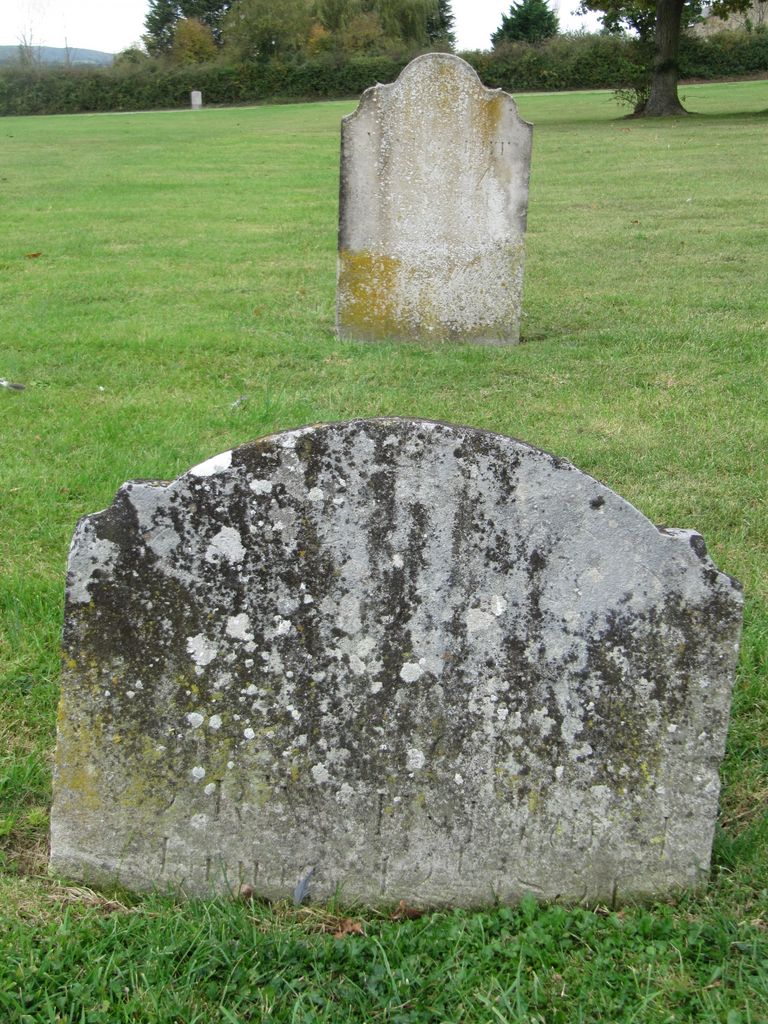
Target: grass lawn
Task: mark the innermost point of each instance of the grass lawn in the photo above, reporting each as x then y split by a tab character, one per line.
166	293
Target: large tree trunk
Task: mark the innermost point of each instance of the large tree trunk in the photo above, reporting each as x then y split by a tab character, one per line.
663	100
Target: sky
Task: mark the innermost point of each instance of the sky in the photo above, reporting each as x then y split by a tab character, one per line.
113	25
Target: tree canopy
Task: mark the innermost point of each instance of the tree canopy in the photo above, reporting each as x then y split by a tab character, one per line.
263	28
440	25
193	42
163	16
529	21
259	29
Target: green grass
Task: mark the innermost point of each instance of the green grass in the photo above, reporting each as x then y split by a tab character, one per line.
182	304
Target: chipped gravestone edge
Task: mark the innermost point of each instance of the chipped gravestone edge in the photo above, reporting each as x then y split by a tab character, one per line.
368	101
287	439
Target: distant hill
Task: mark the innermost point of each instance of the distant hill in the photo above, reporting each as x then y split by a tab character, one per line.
57	55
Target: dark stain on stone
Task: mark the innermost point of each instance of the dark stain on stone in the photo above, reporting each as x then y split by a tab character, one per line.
698	545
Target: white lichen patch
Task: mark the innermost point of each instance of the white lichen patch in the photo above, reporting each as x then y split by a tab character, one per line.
261	486
415	759
320	773
287	605
478	621
89	555
410	672
214	722
198	772
195	719
227	545
316	495
202	649
239	627
498	605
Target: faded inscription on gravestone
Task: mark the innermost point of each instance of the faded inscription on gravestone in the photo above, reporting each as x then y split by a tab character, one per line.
424	662
434	195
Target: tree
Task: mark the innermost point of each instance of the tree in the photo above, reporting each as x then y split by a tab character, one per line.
333	14
260	29
405	20
132	57
193	42
660	23
529	21
440	25
28	55
363	33
373	26
163	16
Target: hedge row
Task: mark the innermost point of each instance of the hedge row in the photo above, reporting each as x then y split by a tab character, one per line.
152	85
600	62
565	62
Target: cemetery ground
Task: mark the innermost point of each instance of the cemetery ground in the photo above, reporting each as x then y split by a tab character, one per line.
166	293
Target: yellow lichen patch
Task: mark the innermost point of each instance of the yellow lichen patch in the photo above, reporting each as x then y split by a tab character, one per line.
77	753
367	285
383	297
444	99
489	118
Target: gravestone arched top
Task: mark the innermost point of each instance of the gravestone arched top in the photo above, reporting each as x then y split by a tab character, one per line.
425	661
452	80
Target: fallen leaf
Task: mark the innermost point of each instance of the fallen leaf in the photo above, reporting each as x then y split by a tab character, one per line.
405	913
33	255
348	926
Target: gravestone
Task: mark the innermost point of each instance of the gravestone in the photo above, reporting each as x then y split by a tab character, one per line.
434	195
419	661
196	98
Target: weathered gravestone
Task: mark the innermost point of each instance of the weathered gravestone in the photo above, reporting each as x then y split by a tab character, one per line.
428	662
196	98
434	194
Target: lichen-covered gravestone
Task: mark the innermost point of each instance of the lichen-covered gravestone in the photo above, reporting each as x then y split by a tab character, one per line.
423	661
434	195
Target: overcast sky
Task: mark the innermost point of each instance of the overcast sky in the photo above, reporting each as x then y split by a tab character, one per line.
112	25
